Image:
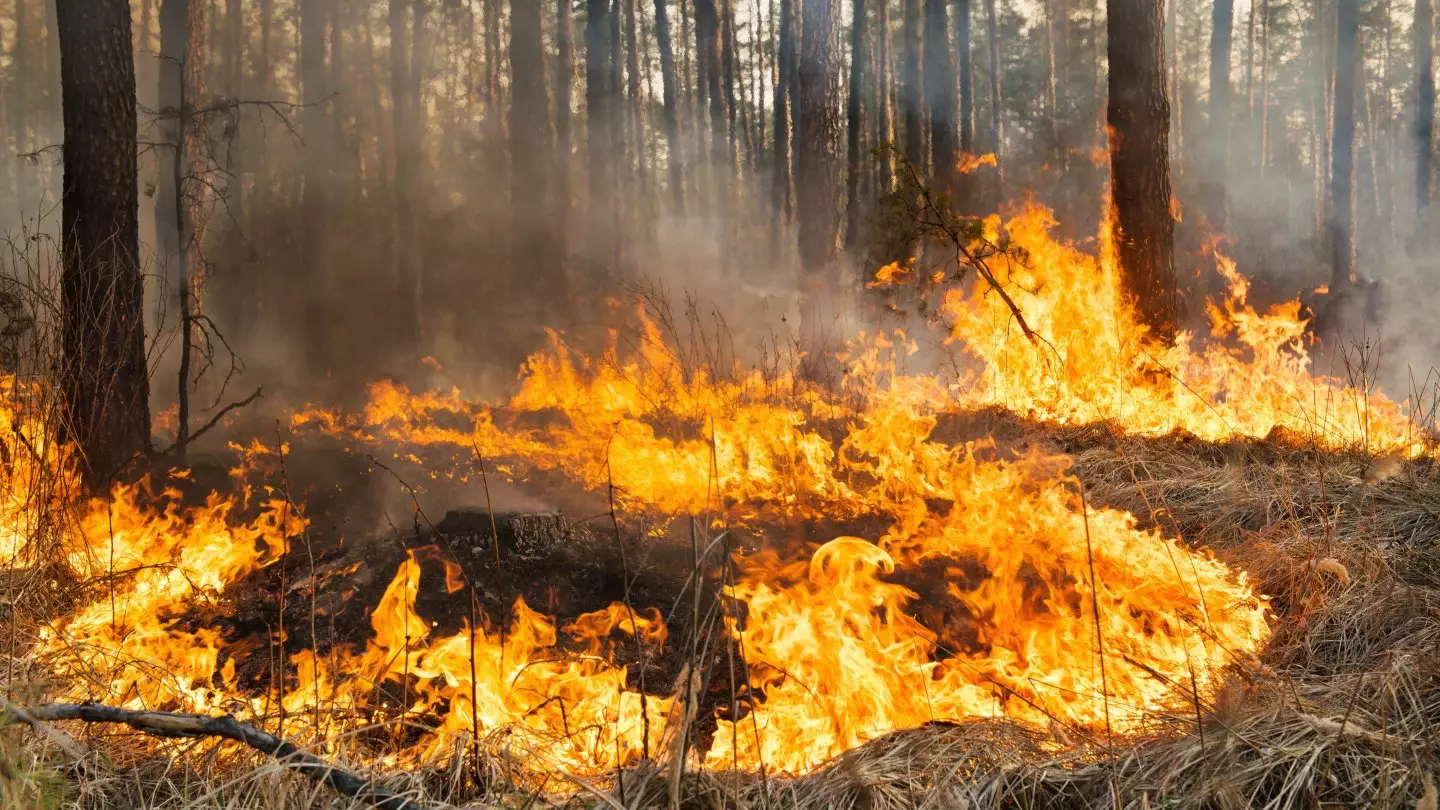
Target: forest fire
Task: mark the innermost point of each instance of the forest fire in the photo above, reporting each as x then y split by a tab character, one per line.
1041	608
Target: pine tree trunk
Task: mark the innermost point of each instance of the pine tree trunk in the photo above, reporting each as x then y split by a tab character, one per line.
564	81
967	79
912	99
1341	214
174	23
1264	86
997	99
600	138
853	124
940	95
1424	106
104	380
1052	105
817	159
1222	22
190	187
1139	120
884	92
672	111
534	247
784	94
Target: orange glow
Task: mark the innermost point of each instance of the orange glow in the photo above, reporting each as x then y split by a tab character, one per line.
988	587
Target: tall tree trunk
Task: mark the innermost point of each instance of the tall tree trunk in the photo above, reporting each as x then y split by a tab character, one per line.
967	82
672	111
997	99
711	74
1052	106
1341	218
727	51
940	95
104	381
1223	22
564	81
234	48
784	94
817	160
1139	121
1264	86
636	107
534	246
1424	106
600	139
403	111
884	92
854	123
174	24
912	98
188	215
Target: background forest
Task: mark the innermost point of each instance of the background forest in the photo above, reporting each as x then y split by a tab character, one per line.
424	177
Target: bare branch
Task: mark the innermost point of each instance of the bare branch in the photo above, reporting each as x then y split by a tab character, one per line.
178	725
214	420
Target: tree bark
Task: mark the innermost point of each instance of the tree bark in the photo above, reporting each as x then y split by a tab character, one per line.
967	82
818	158
189	190
174	23
564	89
672	111
1222	22
534	246
1341	214
784	95
1424	105
315	193
884	92
940	95
912	97
600	138
997	98
1139	121
854	123
105	383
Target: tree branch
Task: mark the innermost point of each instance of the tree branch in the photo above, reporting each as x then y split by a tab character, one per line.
214	420
174	724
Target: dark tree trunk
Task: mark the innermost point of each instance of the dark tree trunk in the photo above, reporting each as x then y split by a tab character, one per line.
940	95
104	382
1341	225
672	104
967	83
912	97
710	70
534	246
1425	104
854	123
1139	120
817	159
188	186
1222	22
600	138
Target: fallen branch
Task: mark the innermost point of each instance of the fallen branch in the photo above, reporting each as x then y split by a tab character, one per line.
174	724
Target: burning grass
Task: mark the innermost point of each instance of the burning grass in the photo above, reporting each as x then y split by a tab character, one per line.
1197	576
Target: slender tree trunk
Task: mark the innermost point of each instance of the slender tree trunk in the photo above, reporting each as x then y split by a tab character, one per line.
636	106
188	215
912	98
711	72
817	159
1139	120
403	109
564	81
784	93
600	145
1250	60
1052	106
104	381
727	50
234	48
1223	22
997	99
854	122
1341	220
1424	106
174	25
884	90
940	95
672	112
1264	86
967	80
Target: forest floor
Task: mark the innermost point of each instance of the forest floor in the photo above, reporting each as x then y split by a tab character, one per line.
1342	710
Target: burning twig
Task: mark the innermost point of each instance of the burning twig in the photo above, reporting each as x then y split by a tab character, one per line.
178	725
